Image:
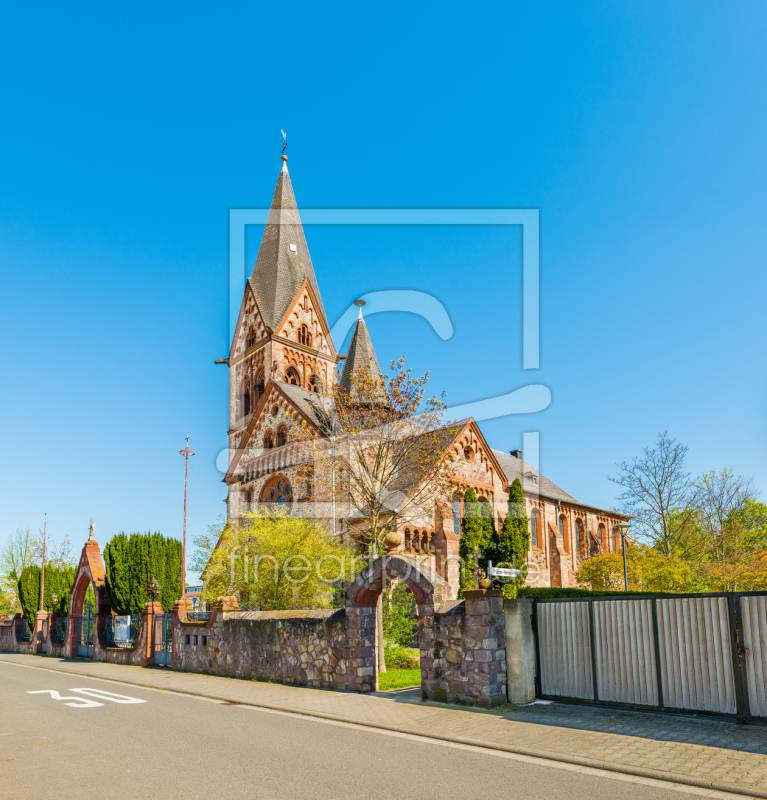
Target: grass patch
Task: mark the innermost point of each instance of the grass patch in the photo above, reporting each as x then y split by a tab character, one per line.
398	679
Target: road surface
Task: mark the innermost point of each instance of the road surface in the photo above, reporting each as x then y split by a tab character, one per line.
67	737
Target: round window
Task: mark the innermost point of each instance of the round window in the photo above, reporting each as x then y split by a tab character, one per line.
468	453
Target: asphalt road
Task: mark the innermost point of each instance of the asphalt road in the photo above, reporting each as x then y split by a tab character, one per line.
81	743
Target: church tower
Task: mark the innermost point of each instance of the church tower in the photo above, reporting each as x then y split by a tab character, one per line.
282	337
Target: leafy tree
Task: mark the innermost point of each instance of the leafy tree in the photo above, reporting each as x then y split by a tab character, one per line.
514	539
273	561
58	580
648	571
400	624
659	494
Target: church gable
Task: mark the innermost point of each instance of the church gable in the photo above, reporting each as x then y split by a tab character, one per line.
305	324
250	325
269	428
474	462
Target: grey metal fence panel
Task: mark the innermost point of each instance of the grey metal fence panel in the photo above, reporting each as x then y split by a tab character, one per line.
753	610
565	650
695	654
625	652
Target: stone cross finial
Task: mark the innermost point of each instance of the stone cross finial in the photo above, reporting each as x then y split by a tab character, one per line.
92	532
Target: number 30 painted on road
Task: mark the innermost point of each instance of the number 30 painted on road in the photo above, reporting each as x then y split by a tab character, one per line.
82	702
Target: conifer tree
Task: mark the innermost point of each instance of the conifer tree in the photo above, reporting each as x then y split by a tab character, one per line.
476	537
514	539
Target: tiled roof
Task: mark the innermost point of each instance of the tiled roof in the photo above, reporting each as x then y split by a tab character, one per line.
514	467
361	353
283	260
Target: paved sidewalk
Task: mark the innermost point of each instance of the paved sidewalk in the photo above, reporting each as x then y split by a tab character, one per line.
697	751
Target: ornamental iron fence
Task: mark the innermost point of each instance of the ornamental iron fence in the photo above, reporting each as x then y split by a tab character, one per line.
23	633
58	630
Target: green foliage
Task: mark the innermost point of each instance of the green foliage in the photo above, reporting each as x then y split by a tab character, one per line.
542	592
132	561
274	561
648	571
398	679
58	580
400	624
477	529
514	539
398	657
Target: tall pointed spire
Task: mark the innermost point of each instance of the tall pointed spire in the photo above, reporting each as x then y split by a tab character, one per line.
283	260
361	353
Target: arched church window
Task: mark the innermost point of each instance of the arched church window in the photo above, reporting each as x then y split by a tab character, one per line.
246	397
268	440
304	337
416	542
278	490
259	385
314	384
581	534
535	528
250	339
602	534
282	436
564	530
457	514
292	377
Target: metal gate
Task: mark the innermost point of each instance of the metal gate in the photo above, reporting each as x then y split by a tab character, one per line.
695	652
85	630
163	639
44	637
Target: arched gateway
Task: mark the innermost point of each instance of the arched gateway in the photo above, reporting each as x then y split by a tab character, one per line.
90	572
430	591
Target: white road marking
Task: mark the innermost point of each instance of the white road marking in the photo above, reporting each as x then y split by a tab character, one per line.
626	777
100	694
80	702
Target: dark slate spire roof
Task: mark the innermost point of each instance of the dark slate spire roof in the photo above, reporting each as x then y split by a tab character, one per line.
279	272
361	353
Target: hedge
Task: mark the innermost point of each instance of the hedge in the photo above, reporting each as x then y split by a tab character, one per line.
542	592
132	561
58	580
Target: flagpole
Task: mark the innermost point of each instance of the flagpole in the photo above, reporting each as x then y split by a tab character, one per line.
186	452
42	574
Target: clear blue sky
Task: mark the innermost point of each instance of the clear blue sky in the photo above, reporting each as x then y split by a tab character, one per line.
637	128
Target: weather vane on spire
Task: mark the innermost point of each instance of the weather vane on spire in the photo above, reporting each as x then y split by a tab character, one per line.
284	140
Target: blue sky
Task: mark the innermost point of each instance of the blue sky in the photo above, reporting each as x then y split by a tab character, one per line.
637	129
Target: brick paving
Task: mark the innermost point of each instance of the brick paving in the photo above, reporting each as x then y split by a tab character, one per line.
700	751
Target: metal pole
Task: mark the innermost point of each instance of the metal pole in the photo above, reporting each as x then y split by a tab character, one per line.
186	452
625	569
42	574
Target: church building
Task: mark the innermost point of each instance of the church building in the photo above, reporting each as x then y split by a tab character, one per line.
282	354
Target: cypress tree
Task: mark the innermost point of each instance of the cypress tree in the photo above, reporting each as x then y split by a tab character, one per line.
514	539
476	537
58	580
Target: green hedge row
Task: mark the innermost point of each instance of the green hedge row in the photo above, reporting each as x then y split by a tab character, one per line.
132	561
58	580
542	592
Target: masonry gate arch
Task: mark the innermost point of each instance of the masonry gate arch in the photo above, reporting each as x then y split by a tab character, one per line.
428	587
82	627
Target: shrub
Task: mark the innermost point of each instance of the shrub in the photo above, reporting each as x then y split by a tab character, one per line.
400	658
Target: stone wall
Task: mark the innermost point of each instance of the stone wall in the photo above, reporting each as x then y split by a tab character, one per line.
463	651
325	648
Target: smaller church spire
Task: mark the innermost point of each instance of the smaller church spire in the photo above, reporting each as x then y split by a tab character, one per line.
361	352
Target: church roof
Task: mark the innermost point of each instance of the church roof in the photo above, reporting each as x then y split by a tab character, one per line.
283	260
532	481
361	354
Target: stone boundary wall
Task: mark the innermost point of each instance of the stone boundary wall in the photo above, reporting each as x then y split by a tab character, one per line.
463	651
324	648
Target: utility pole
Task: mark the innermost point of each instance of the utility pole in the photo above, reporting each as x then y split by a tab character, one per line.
42	573
186	452
624	529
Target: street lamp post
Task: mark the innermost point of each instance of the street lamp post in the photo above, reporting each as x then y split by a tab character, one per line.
623	527
186	452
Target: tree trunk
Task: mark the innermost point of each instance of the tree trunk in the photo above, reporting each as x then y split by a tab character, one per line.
379	634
